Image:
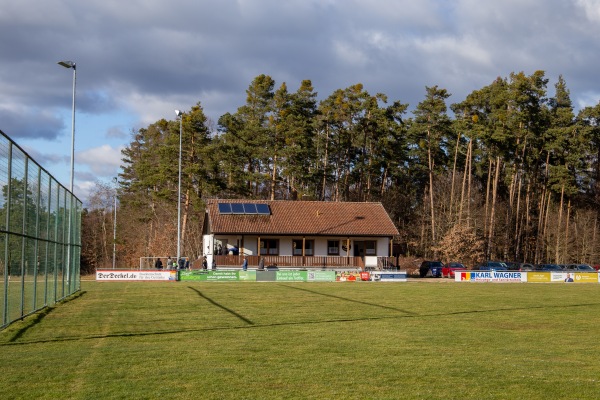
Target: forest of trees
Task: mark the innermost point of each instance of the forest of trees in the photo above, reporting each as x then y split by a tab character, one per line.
510	172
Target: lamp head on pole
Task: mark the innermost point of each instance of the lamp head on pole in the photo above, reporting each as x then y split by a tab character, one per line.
178	113
67	64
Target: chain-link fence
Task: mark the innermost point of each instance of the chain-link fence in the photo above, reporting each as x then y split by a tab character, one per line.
40	236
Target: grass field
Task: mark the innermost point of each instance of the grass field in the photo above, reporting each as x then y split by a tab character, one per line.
180	340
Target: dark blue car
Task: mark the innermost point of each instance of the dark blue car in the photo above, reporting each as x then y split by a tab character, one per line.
431	267
492	266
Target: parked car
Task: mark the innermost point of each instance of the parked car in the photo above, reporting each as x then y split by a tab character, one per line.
580	268
431	268
524	267
491	266
451	267
513	266
548	267
597	267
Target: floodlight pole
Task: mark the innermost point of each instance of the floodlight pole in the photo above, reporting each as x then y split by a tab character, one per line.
180	115
71	64
115	226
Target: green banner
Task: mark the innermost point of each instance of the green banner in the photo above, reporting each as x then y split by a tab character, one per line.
321	276
253	275
296	276
203	275
247	275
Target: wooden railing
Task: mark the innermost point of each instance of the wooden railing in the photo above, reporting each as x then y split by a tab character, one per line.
386	263
293	261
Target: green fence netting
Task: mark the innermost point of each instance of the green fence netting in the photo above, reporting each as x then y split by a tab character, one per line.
40	236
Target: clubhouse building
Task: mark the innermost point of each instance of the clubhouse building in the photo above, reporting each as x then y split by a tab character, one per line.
298	234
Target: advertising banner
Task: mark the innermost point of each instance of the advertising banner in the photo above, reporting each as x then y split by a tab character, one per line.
557	277
294	276
208	275
193	275
490	276
586	277
389	276
150	275
320	276
260	276
539	277
347	277
535	276
249	275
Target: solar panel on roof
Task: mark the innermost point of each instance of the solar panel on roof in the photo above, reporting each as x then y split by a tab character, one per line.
263	209
244	208
237	208
224	208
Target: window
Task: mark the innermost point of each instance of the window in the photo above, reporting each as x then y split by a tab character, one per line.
333	247
370	248
269	247
309	245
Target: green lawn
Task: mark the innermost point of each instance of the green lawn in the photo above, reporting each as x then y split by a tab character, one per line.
361	340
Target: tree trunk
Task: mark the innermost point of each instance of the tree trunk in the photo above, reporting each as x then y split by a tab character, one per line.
566	252
560	211
470	169
493	210
546	231
517	218
464	182
430	163
273	177
453	175
487	202
325	160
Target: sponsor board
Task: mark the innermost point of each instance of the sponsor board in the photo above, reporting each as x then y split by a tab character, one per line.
291	276
260	276
535	277
207	275
389	276
490	276
249	275
347	277
193	275
221	276
586	277
110	275
539	276
320	276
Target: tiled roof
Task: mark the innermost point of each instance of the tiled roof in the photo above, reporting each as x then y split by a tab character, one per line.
315	218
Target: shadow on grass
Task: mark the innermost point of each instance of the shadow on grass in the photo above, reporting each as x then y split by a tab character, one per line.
251	325
222	307
352	300
39	317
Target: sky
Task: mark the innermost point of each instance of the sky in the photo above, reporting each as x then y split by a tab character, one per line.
139	60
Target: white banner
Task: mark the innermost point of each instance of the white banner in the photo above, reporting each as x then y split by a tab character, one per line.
490	276
112	275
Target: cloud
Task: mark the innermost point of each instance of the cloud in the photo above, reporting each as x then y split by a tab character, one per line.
591	9
102	161
29	122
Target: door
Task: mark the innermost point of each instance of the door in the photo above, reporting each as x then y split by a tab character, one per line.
359	249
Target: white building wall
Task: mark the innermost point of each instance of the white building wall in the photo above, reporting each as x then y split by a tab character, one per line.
382	244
